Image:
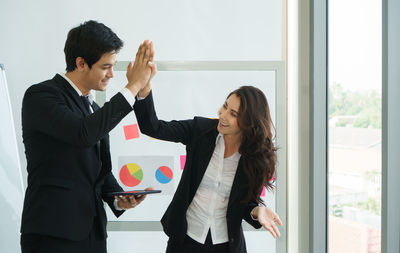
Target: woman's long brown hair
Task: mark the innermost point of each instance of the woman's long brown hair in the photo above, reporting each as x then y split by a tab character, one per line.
258	152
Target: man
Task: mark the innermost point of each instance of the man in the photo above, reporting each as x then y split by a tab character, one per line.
67	148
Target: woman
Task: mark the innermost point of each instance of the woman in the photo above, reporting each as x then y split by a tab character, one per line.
228	162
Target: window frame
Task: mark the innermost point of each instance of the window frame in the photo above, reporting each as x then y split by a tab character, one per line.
390	221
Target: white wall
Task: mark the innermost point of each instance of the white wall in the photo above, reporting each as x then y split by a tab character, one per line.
33	34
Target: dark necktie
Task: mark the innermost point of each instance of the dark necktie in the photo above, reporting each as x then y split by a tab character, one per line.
88	111
86	102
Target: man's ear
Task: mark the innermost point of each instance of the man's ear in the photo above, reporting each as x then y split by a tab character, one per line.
80	63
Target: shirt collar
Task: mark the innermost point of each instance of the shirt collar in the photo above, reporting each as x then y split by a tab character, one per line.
220	141
90	96
219	136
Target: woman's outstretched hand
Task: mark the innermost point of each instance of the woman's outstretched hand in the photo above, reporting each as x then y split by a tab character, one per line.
268	219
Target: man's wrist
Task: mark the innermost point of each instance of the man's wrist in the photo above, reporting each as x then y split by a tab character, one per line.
134	88
117	207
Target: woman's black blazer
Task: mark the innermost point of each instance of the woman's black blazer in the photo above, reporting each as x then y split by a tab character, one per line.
199	135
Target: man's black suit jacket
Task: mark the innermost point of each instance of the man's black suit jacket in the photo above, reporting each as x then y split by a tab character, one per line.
199	136
68	160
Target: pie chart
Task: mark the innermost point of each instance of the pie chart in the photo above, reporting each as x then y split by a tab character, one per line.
131	174
164	175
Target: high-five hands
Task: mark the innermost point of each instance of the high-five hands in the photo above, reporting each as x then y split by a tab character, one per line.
268	219
128	202
143	69
146	90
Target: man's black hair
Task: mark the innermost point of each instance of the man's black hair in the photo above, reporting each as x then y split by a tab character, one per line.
90	41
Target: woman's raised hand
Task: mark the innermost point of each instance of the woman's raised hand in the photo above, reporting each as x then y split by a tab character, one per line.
141	71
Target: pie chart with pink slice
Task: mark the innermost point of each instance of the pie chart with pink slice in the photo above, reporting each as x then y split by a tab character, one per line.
164	175
131	174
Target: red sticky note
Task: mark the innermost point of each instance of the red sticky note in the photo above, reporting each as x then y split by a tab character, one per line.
183	161
131	131
263	192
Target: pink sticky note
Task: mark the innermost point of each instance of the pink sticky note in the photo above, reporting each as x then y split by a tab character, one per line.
263	192
183	161
131	131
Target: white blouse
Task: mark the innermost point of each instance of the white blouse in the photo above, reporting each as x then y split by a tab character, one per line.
208	208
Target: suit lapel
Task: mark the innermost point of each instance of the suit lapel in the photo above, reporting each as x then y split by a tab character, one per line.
100	144
205	149
239	182
103	149
67	88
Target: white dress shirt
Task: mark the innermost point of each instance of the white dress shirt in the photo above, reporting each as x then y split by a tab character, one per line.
208	208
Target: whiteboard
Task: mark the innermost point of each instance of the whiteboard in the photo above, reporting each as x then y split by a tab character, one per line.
11	188
177	95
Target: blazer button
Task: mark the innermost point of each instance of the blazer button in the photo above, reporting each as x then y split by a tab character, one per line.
231	240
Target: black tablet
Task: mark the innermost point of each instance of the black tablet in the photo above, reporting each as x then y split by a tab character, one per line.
130	193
